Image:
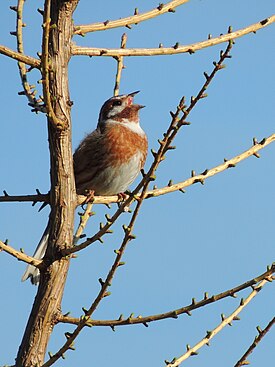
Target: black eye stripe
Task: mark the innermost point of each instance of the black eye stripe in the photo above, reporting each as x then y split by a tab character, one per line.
117	102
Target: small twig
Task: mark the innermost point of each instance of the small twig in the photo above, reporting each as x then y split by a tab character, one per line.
82	223
35	63
210	334
92	51
120	65
243	360
174	313
20	255
44	198
134	19
29	90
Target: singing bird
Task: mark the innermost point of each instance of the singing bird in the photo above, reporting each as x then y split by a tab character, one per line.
107	160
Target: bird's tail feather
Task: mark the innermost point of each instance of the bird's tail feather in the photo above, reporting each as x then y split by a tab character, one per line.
31	271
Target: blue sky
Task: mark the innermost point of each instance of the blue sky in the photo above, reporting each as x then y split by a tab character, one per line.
212	238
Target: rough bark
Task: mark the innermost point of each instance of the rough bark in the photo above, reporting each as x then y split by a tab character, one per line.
50	291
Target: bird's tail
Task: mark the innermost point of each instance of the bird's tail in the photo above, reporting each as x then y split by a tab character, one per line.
31	271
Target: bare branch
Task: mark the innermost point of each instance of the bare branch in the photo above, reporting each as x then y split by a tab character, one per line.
20	255
210	334
35	63
134	19
165	144
176	49
242	361
156	192
44	198
174	313
120	65
29	90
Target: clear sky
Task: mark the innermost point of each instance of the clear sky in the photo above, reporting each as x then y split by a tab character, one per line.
210	239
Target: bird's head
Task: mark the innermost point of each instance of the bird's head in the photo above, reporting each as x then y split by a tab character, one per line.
121	109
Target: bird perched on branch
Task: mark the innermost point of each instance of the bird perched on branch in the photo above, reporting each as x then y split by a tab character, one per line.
108	160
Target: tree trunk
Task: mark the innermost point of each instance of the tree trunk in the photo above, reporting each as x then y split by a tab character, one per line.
47	303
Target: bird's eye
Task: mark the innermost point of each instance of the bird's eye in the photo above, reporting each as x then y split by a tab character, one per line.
117	102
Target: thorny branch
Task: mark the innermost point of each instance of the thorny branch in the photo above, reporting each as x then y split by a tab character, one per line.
126	22
165	145
261	333
207	173
104	284
210	334
19	255
31	61
177	48
173	313
29	90
120	65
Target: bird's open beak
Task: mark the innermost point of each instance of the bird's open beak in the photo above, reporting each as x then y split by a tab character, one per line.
133	93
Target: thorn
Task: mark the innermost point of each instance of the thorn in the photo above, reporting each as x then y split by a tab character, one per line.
194	353
176	45
85	311
121	263
257	155
206	76
160	45
209	36
106	294
136	11
154	153
101	282
190	51
170	183
106	22
241	302
112	327
262	142
193	173
181	190
208	334
40	11
171	10
22	250
145	324
14	8
14	33
68	335
5	193
205	296
120	317
188	313
128	26
160	7
259	329
255	141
